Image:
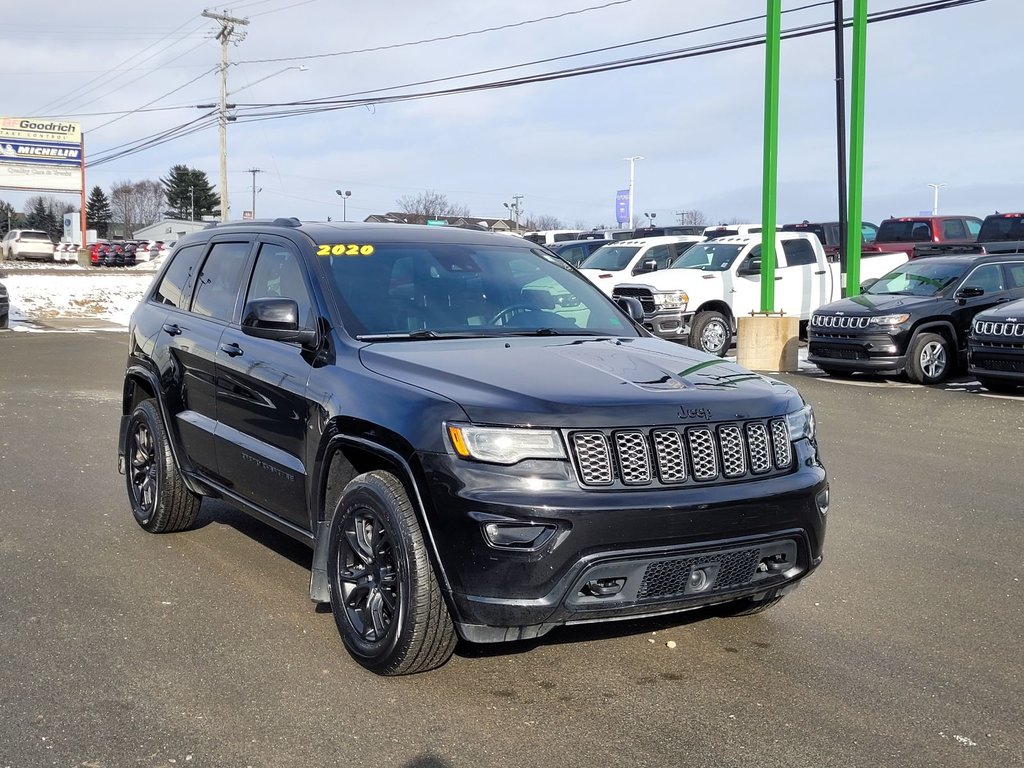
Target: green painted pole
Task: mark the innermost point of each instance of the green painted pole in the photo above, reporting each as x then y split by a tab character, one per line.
856	196
773	40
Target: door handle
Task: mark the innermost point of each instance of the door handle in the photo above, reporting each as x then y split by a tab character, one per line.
778	277
820	272
172	329
1003	300
231	350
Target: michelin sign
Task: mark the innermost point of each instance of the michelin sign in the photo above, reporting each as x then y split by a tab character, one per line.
40	155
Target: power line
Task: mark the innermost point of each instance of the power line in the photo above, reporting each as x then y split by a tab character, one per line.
342	102
438	39
154	101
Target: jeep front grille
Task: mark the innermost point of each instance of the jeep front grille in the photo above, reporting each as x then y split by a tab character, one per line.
989	328
839	321
670	456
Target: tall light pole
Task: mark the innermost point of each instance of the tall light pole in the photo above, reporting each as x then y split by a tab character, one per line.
632	160
935	198
254	171
344	202
513	209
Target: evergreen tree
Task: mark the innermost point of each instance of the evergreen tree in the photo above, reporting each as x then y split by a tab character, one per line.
36	215
97	212
189	193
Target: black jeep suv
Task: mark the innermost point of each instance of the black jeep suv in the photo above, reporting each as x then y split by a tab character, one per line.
473	439
995	348
915	319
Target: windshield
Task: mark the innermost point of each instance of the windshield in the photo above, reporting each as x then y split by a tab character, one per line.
614	258
710	257
920	277
435	290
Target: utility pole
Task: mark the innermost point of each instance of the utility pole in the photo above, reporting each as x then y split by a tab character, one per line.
254	171
226	35
513	208
192	204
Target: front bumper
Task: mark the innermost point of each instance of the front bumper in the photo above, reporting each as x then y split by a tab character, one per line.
611	554
996	358
850	351
669	324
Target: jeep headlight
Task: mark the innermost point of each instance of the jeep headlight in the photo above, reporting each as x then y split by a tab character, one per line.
889	320
504	445
671	300
801	423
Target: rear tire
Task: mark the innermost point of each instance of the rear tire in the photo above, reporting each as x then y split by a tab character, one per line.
384	595
711	332
160	500
930	360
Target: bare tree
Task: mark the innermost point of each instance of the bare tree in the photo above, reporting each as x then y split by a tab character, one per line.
136	204
541	222
432	205
693	216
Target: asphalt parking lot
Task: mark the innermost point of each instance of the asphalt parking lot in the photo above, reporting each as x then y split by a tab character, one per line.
122	648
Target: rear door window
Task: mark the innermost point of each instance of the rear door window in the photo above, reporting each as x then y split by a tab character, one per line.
798	253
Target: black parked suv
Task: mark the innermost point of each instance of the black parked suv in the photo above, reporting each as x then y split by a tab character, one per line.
995	348
473	439
916	319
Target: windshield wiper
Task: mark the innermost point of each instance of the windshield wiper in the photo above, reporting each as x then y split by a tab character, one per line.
424	334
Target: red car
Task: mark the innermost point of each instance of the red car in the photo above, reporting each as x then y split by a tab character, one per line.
904	232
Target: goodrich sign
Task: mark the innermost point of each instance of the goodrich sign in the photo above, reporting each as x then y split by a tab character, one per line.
40	155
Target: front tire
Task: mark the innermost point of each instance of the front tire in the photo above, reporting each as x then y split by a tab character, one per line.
160	500
384	595
711	332
930	360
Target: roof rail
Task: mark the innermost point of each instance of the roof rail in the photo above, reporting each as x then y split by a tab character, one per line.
289	221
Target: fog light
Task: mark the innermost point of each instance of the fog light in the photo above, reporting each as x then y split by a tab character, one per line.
513	536
698	580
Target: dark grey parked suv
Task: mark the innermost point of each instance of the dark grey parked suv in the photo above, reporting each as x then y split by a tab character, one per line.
474	440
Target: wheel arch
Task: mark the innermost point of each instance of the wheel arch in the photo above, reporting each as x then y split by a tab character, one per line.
943	327
345	456
717	305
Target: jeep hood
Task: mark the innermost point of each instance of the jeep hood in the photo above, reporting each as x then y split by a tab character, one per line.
580	381
877	304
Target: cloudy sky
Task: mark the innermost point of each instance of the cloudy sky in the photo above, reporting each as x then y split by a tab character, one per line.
940	104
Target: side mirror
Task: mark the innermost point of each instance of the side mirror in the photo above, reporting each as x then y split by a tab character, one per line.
650	265
749	267
275	319
632	307
865	284
968	292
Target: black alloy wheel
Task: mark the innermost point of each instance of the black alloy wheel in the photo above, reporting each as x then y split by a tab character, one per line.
385	597
160	500
368	575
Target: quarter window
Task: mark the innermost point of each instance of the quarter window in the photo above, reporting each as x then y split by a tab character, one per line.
177	281
219	280
954	229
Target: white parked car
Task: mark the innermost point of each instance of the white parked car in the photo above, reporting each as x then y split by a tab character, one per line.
66	252
698	298
27	244
616	262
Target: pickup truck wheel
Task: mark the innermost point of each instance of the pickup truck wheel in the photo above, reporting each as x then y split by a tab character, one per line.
384	595
711	333
992	385
930	359
160	500
748	606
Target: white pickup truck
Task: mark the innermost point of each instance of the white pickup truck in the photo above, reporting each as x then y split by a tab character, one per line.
698	298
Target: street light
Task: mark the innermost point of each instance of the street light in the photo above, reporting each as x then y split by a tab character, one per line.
935	199
650	218
344	198
301	68
632	160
